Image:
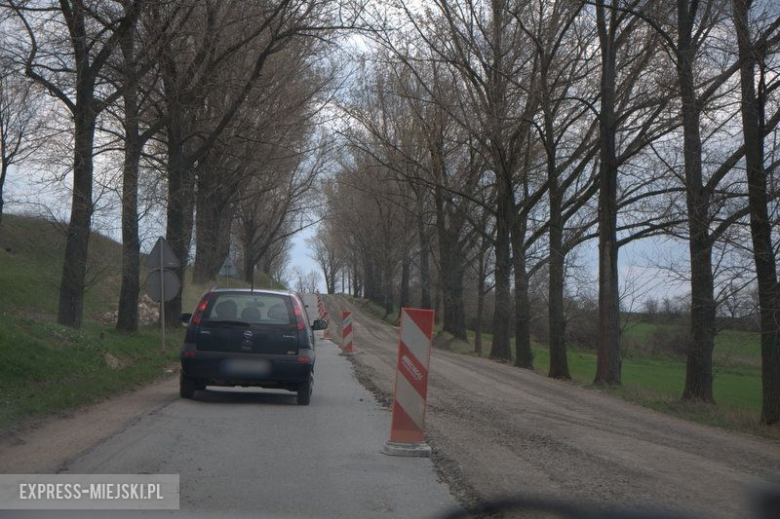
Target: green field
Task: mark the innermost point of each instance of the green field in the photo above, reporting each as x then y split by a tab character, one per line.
657	382
47	368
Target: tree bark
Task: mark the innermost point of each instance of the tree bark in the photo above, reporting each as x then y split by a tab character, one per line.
179	211
212	230
3	170
608	357
502	314
406	270
698	376
559	366
127	315
452	269
480	304
425	273
760	223
127	318
525	357
74	268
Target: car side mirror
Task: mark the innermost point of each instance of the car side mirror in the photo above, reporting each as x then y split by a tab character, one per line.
185	318
319	324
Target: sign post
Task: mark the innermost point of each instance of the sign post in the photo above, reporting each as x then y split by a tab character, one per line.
162	284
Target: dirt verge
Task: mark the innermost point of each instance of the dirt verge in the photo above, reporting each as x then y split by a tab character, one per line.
45	446
498	431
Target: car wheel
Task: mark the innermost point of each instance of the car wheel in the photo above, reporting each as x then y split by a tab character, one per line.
305	389
187	386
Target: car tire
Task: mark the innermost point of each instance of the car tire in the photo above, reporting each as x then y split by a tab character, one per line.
305	390
187	386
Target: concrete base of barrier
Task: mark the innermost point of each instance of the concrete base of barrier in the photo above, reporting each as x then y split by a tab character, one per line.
346	354
411	450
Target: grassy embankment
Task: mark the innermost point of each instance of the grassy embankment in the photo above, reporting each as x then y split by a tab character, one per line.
47	368
657	381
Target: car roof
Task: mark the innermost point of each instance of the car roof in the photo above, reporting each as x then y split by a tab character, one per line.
253	291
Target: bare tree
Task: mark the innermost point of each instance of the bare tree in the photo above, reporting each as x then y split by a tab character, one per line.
19	123
326	255
68	45
306	281
753	56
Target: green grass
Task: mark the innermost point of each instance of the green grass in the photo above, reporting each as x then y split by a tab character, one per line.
658	383
46	368
732	347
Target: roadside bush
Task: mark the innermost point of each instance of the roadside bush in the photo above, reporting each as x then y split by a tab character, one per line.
668	340
582	329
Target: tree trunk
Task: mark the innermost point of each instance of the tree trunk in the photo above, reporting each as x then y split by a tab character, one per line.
454	321
760	224
179	212
480	305
698	377
127	315
212	231
502	314
425	275
559	366
127	318
3	171
74	267
451	270
332	278
525	356
387	281
406	270
249	269
608	357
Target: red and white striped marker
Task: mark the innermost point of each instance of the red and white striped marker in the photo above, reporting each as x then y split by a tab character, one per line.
347	344
323	315
407	434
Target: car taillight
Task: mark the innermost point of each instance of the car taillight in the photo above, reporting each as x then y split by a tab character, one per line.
201	309
298	315
189	350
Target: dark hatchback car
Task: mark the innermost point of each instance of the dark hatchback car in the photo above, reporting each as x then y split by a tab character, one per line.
241	337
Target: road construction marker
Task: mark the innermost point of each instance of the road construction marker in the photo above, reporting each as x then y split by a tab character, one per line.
407	433
347	344
323	315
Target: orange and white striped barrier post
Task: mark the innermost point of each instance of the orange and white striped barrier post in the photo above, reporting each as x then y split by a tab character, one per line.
347	343
323	315
407	433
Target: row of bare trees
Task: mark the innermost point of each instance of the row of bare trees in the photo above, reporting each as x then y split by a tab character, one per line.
214	104
510	133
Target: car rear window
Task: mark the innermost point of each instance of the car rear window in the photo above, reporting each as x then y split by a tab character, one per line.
252	308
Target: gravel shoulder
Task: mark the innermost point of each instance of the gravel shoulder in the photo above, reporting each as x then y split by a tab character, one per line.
499	431
46	446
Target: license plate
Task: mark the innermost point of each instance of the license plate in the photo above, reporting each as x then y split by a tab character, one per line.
253	368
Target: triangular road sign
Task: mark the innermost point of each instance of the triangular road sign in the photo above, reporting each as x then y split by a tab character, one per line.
162	256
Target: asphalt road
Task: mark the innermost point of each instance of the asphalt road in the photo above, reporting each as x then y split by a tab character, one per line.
256	453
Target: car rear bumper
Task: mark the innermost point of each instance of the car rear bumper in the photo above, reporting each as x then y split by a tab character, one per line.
236	369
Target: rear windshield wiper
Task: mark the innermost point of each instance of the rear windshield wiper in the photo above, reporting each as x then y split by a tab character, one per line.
227	322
